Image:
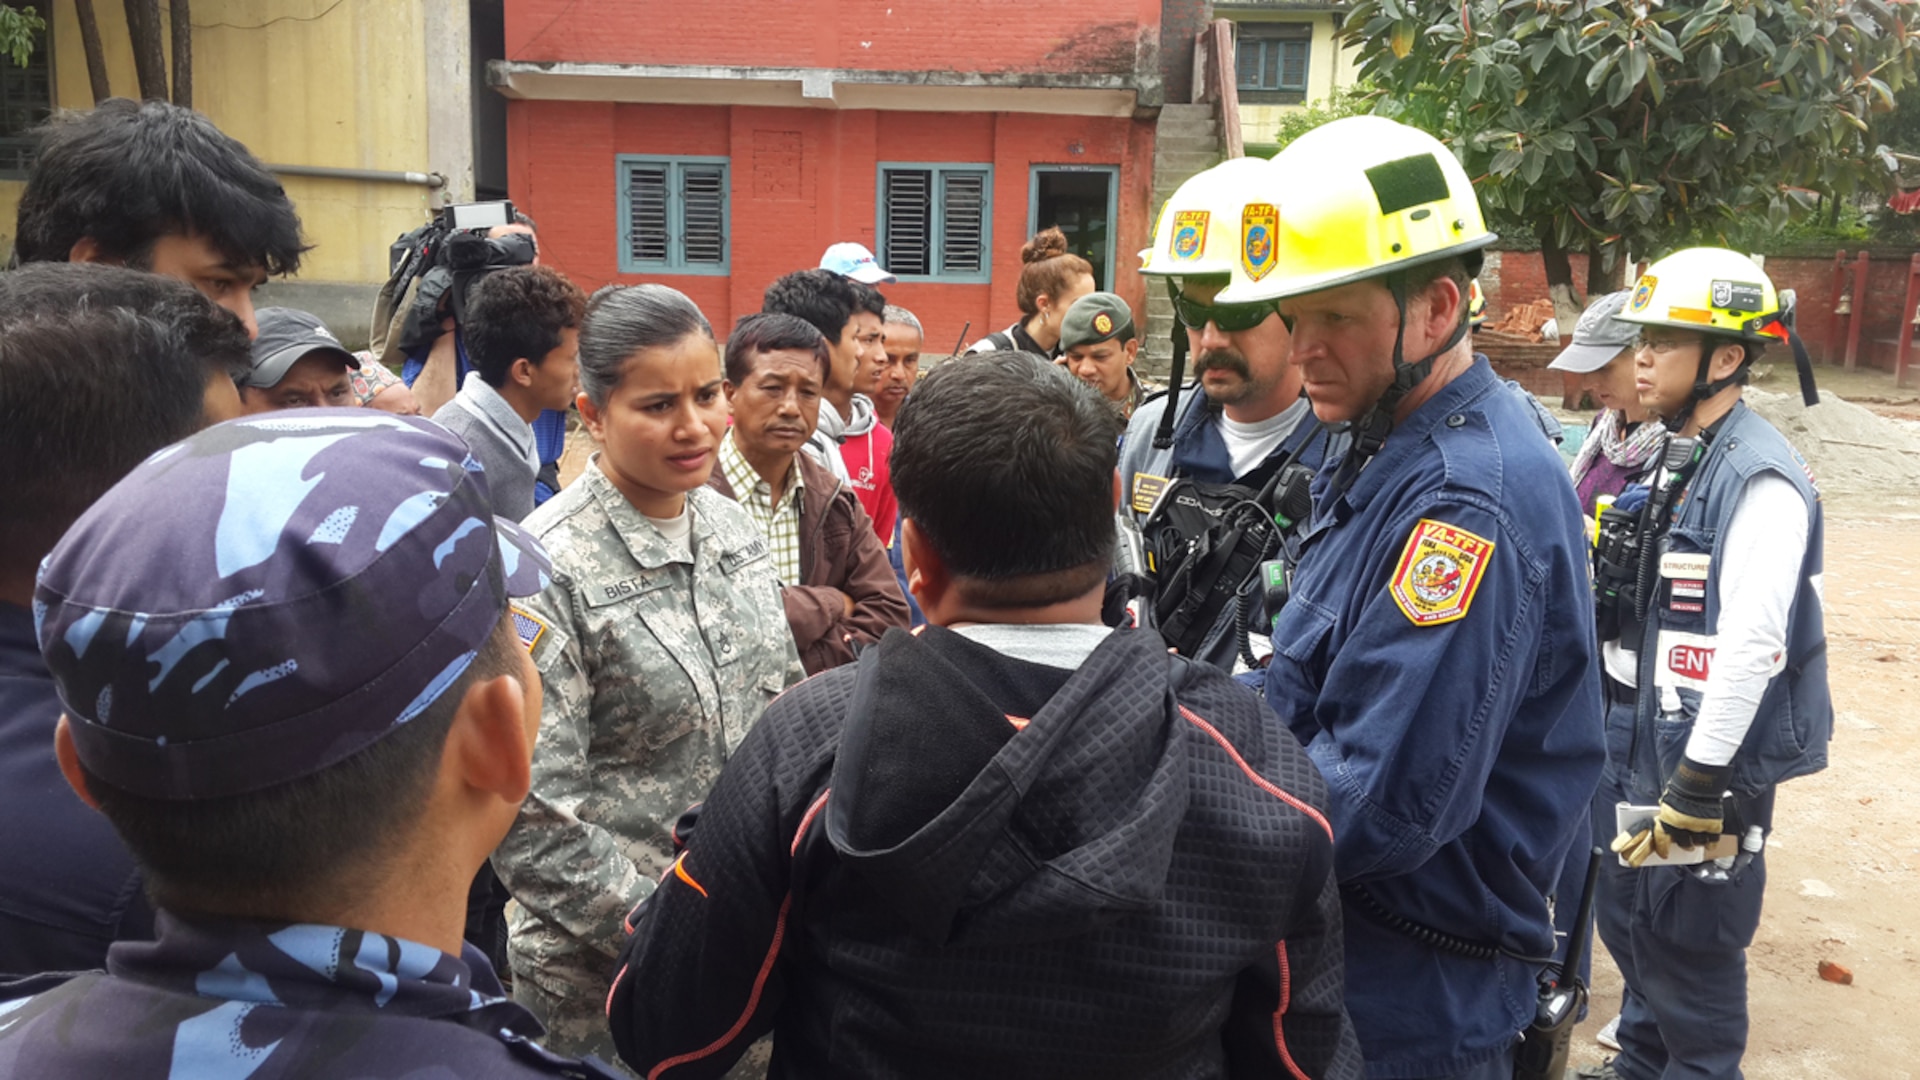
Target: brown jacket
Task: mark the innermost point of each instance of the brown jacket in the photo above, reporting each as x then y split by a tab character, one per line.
839	553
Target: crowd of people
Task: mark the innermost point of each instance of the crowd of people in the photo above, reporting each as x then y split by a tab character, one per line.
802	733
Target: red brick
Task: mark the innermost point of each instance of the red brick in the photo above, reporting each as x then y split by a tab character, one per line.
880	35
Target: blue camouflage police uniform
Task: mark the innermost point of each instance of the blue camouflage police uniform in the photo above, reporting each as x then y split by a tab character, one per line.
248	608
1200	453
1680	937
1437	660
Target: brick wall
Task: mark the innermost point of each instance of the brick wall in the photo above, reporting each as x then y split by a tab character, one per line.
890	35
805	178
1180	22
1513	278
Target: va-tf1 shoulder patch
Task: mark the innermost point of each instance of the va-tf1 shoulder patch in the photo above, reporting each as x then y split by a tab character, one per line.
527	626
1439	572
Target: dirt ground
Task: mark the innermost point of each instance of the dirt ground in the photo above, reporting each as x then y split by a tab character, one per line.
1842	883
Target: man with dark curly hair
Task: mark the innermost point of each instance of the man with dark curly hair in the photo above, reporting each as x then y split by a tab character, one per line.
523	340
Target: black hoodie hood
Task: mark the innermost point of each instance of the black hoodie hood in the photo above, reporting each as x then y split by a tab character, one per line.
977	825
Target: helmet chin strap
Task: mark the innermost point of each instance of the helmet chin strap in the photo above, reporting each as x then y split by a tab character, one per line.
1370	431
1703	387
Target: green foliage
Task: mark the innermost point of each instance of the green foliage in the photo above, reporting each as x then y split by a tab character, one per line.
1594	122
1809	232
20	30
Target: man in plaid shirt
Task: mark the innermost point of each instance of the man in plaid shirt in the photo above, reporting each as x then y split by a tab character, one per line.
836	583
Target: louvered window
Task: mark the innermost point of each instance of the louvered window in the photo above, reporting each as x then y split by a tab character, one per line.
936	221
26	100
674	215
1272	63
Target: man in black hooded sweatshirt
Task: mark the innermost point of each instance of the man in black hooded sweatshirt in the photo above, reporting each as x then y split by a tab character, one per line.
1016	844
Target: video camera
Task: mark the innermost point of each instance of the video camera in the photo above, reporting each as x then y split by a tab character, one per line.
445	257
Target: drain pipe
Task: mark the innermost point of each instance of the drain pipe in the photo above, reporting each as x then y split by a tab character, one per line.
378	176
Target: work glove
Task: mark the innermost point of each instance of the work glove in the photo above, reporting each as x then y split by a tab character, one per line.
1690	813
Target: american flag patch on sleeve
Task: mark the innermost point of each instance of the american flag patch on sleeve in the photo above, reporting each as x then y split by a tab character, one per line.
527	626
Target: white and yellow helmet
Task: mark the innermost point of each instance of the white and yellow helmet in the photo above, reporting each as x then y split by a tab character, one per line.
1349	201
1709	289
1197	231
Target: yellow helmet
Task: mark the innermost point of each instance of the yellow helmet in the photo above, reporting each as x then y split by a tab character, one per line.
1196	233
1709	289
1352	200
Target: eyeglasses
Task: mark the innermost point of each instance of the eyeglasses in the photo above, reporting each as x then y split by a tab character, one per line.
1230	318
1662	345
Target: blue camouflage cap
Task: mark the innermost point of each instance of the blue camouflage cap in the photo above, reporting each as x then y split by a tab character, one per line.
270	596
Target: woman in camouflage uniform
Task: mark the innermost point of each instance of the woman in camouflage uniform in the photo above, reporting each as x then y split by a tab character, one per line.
659	642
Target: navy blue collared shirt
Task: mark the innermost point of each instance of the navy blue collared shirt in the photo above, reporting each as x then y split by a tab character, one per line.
69	888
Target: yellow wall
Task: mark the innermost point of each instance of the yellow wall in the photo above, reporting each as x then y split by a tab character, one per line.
1330	67
344	88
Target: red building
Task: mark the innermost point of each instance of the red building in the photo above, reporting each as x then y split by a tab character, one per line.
714	147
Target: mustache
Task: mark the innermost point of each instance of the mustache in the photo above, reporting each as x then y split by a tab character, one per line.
1222	360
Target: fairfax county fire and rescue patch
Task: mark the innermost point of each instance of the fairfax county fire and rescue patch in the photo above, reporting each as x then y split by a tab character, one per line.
1439	572
1259	222
1189	234
1643	294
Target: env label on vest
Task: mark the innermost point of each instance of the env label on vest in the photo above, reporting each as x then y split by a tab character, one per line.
1686	660
1440	570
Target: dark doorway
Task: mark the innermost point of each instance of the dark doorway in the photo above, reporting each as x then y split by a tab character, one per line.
489	42
1080	200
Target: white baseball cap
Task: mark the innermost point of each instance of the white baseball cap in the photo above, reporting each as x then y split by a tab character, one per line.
856	262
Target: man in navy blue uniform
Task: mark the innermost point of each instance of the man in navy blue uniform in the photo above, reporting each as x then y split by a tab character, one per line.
1243	416
307	771
1436	656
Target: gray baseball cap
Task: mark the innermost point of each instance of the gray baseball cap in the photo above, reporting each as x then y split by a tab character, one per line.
285	336
1599	336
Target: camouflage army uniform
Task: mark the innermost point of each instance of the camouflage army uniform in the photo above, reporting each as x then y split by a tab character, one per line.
220	998
654	670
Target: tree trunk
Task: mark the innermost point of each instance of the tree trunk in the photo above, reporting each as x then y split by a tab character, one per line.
1606	270
149	59
182	54
96	55
1566	307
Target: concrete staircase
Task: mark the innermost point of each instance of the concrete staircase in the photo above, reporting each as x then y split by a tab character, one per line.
1186	141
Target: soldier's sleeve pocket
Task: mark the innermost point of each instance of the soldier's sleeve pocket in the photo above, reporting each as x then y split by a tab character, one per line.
663	730
772	684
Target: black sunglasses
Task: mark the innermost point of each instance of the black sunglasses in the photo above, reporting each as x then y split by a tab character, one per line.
1230	318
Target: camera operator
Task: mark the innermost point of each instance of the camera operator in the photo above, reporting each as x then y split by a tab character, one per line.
416	322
